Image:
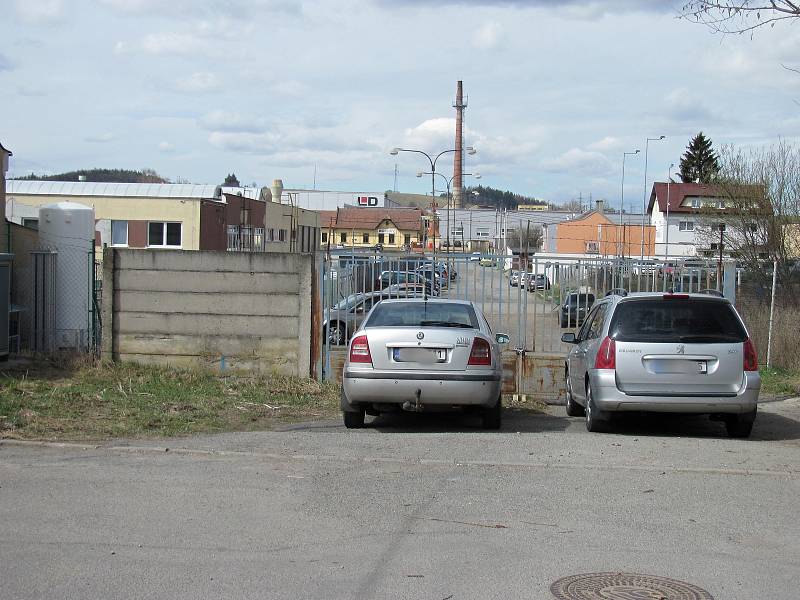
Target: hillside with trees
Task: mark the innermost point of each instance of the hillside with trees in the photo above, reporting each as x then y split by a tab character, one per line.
102	176
487	196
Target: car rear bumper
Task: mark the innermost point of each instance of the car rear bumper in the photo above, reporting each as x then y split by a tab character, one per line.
436	389
608	397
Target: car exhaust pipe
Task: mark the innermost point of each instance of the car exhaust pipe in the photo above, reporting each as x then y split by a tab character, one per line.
415	406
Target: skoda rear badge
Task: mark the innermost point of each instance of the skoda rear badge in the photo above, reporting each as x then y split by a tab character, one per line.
420	335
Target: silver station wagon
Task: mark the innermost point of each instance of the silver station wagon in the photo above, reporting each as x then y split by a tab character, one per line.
417	355
684	353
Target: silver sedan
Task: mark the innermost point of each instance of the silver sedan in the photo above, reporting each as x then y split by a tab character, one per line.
416	355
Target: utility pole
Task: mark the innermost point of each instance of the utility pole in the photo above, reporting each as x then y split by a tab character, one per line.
395	177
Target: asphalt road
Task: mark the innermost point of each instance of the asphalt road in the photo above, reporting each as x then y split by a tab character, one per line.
411	507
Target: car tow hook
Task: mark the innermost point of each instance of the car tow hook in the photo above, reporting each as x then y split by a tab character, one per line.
415	406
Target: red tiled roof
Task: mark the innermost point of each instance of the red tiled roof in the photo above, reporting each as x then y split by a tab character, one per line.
371	218
678	192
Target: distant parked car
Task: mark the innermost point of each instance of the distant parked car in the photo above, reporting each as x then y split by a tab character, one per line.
684	353
389	278
515	278
346	316
537	282
475	257
575	308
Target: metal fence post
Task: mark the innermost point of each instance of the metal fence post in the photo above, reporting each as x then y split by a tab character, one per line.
772	311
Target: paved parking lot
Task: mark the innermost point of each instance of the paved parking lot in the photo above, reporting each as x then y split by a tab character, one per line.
411	507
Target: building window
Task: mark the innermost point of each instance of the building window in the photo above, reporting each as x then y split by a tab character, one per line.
119	233
381	238
406	238
391	239
164	235
365	238
482	233
695	202
281	235
686	226
458	231
324	237
721	204
342	238
30	223
270	234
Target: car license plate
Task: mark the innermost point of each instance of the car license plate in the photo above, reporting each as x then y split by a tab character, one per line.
702	367
419	355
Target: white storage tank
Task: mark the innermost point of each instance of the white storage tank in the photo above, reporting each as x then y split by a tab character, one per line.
68	229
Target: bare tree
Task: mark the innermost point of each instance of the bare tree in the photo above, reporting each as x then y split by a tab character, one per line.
523	238
740	16
761	213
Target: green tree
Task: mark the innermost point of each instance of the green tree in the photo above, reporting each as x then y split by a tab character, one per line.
231	181
699	163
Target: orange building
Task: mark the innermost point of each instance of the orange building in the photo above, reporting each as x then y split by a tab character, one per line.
605	235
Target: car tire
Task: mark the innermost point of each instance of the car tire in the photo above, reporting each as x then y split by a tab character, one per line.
740	426
573	408
492	417
597	421
336	333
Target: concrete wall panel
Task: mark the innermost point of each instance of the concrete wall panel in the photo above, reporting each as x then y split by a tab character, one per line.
198	281
215	310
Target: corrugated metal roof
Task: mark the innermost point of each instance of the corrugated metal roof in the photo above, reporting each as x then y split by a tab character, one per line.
127	190
245	192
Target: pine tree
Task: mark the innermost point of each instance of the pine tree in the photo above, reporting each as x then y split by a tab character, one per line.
699	163
231	181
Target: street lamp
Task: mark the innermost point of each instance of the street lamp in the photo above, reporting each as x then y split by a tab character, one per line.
622	194
448	181
432	161
666	244
644	197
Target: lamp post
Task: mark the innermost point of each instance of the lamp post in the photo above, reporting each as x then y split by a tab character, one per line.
644	197
666	245
448	182
622	192
432	161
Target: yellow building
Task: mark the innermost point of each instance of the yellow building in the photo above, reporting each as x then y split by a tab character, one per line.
366	227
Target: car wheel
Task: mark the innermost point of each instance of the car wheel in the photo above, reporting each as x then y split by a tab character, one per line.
740	426
573	408
596	419
337	333
492	417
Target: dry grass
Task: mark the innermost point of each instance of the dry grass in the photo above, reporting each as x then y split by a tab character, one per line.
72	398
755	312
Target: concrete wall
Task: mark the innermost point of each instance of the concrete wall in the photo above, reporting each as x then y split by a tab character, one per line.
217	310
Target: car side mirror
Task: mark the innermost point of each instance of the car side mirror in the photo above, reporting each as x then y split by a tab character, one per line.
568	338
502	338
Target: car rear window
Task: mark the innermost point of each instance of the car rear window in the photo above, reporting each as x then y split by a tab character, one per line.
423	314
676	320
583	299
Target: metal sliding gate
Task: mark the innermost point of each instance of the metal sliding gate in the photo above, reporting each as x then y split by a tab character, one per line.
520	296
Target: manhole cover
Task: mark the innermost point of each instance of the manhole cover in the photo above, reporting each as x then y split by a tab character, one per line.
625	586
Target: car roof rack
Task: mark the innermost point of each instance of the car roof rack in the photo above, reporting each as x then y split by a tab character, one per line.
617	292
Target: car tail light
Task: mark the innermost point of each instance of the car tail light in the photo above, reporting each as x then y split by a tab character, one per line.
481	353
606	355
750	356
359	350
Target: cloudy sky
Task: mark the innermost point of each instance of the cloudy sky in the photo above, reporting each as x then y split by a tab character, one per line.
558	89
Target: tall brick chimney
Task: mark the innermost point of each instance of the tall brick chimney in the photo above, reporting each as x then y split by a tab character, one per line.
458	159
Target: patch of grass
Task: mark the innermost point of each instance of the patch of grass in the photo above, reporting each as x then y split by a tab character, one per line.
780	382
80	399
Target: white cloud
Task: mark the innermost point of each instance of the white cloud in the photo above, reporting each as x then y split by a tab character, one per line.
186	44
102	138
579	162
289	87
607	143
684	105
40	11
224	121
487	36
166	147
5	64
198	83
